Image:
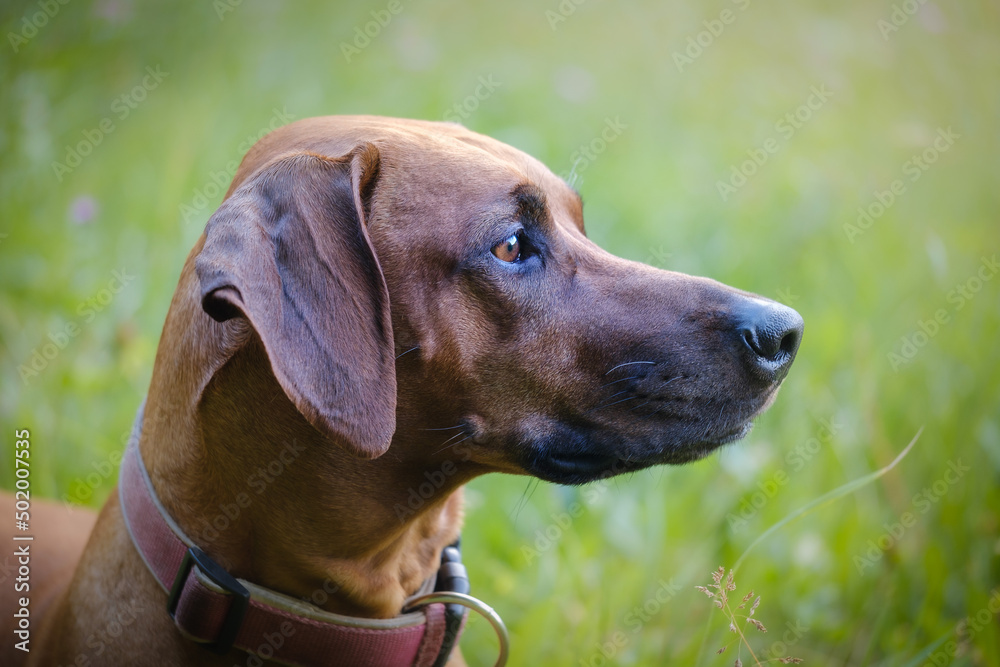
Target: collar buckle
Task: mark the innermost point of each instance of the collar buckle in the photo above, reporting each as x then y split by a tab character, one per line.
227	582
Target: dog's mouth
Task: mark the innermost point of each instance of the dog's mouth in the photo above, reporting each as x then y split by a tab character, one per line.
577	468
738	433
577	460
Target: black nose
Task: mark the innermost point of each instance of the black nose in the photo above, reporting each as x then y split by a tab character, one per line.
772	333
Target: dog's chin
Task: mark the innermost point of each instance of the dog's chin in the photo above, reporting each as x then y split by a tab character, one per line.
577	461
738	433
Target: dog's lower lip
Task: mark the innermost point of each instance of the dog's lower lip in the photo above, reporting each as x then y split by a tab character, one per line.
581	463
566	466
574	468
733	436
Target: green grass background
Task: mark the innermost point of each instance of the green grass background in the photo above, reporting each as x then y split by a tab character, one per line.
652	196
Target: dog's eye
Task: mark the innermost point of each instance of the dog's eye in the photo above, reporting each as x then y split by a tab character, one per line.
509	250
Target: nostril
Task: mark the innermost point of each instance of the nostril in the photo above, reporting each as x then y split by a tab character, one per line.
790	342
773	332
750	338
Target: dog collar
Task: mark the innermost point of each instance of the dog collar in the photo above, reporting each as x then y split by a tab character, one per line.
211	607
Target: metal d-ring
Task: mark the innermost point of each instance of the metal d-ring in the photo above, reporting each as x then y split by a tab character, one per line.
484	610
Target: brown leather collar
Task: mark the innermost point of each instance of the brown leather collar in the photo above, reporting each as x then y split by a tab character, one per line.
211	607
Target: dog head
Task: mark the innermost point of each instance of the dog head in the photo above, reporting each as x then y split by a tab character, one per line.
419	285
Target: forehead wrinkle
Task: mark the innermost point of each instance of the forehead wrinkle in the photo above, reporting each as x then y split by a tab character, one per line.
525	202
485	225
532	204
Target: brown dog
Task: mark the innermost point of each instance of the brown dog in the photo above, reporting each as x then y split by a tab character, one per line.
377	299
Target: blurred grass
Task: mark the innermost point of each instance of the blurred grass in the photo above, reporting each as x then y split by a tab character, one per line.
652	195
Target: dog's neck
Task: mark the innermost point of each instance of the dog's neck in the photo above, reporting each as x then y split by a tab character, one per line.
252	483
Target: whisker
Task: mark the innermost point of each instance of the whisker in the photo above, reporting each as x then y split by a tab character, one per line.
446	428
452	438
608	405
617	381
408	351
665	383
617	393
522	502
656	388
654	412
631	363
454	444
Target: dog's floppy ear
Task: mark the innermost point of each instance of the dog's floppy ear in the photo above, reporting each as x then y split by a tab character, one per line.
290	252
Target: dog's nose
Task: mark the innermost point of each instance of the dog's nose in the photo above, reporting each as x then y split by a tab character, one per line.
772	333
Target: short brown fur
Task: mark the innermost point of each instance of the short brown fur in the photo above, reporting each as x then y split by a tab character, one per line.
343	306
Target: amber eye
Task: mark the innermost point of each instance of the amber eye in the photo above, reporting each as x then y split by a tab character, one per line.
509	250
